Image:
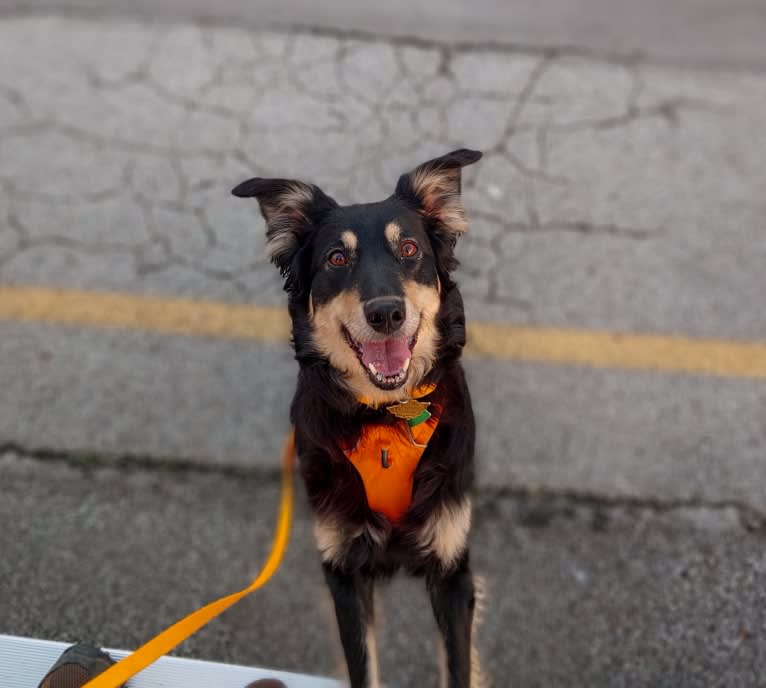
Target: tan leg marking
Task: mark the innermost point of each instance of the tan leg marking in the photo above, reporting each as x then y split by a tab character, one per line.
333	539
445	533
479	679
441	658
373	669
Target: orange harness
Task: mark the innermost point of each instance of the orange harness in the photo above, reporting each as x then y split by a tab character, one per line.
386	456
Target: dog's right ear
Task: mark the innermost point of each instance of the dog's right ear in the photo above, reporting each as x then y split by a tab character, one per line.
434	189
291	209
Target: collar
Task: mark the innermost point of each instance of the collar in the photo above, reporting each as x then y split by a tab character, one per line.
422	390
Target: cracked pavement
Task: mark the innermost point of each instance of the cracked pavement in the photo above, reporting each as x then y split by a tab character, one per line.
614	194
139	128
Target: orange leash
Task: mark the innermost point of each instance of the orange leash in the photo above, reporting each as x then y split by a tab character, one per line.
171	637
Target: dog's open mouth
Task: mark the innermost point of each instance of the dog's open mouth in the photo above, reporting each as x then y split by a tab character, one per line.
387	361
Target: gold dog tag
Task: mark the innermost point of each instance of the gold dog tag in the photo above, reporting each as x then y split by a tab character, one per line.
413	411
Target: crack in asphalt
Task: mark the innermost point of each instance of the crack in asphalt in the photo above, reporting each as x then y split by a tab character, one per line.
116	164
535	506
357	107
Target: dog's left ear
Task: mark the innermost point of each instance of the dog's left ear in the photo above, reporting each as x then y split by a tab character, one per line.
292	210
434	189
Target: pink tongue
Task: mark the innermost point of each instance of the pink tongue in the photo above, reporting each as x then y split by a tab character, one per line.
388	356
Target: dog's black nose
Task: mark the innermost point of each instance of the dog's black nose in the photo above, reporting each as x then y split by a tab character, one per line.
385	315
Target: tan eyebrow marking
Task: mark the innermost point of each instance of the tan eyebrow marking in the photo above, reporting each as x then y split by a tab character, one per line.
349	240
393	232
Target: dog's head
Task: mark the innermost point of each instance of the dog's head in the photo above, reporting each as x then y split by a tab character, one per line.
367	282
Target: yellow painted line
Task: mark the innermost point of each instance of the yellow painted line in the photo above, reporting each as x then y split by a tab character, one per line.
149	313
573	347
598	349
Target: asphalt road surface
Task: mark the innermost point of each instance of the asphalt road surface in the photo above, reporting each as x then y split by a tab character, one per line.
577	594
705	33
615	256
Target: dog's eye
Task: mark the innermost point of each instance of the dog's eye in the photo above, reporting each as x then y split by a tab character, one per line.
408	248
337	259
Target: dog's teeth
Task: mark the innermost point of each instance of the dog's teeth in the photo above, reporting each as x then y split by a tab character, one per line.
372	368
406	366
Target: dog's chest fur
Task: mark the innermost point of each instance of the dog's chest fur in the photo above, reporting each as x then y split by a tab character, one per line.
434	529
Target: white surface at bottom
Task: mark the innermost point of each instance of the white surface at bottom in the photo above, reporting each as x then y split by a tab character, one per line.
25	661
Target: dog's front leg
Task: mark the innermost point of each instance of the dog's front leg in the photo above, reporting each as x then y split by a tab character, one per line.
352	595
453	600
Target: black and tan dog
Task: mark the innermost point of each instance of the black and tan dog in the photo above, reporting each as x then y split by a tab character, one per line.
383	421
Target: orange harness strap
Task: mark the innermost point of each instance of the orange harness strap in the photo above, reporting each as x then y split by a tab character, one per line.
386	457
